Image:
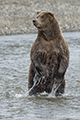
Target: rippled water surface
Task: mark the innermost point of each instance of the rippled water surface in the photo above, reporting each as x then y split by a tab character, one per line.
15	104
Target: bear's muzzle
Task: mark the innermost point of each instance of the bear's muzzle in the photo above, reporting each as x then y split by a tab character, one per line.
34	22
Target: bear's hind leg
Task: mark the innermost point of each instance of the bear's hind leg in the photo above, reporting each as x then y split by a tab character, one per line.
61	88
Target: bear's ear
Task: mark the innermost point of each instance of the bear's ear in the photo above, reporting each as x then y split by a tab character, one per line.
51	14
38	12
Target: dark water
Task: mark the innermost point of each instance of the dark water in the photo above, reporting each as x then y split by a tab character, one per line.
15	104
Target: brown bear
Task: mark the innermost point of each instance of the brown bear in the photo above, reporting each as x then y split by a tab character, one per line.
49	56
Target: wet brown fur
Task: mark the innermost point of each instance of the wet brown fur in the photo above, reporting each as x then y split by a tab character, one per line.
49	55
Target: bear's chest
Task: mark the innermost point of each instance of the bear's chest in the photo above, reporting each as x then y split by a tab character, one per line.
48	53
47	47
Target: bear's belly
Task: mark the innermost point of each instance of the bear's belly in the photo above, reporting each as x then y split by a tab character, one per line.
49	60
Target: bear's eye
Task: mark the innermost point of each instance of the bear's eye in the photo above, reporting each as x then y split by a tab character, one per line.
42	17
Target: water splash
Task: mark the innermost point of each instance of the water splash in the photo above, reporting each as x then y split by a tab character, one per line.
19	95
37	80
42	80
54	89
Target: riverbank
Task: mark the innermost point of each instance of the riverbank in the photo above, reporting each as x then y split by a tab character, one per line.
16	16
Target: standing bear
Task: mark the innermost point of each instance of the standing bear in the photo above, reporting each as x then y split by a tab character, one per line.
49	57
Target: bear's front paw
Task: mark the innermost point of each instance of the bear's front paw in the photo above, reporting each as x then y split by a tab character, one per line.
44	73
58	80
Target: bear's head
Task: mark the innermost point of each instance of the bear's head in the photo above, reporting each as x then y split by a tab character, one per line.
47	25
44	20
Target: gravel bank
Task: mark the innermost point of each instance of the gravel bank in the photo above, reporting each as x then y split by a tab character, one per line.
16	15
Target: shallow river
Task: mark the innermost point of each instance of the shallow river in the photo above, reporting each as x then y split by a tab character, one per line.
15	104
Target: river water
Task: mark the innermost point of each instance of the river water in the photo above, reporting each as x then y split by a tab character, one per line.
15	104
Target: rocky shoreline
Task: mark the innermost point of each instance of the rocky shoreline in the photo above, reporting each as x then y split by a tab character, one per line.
16	16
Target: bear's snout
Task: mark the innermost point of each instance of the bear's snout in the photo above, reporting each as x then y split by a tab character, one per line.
34	22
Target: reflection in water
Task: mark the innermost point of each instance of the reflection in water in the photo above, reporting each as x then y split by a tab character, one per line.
14	66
